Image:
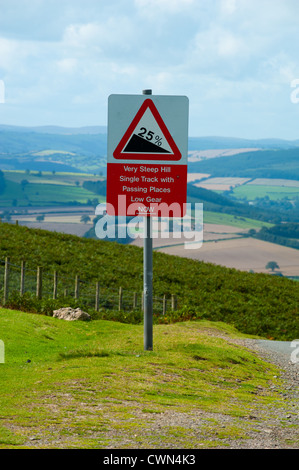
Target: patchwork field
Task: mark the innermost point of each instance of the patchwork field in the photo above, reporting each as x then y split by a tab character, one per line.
217	218
198	155
216	227
252	191
221	184
223	235
25	189
64	220
192	177
248	188
275	182
244	254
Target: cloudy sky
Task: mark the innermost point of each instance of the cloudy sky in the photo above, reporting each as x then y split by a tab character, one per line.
235	59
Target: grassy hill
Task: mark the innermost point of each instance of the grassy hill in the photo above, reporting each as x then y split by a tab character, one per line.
91	385
274	163
254	303
37	151
48	148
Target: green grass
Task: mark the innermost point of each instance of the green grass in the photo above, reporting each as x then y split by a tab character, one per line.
251	192
48	177
92	385
49	188
233	220
254	303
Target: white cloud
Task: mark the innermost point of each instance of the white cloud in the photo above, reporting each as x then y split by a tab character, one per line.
13	53
224	54
95	37
217	51
154	7
67	65
228	6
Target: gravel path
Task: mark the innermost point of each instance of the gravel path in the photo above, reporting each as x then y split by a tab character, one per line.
277	427
265	427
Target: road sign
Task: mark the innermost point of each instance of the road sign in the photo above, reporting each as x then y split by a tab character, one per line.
147	155
147	137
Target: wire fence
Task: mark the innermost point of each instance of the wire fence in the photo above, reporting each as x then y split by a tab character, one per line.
18	278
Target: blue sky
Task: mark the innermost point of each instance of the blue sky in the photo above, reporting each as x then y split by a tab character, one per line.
234	59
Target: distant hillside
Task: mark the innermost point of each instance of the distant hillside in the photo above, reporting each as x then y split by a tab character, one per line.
211	200
274	213
85	149
279	163
56	129
216	142
33	150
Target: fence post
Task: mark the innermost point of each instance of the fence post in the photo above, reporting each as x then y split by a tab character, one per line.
6	280
164	304
142	301
120	299
55	285
77	287
97	302
22	281
39	282
174	302
65	292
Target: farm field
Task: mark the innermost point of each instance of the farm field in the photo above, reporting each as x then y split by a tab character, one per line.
198	155
191	177
249	188
242	223
244	254
252	191
47	189
62	220
275	182
216	226
221	184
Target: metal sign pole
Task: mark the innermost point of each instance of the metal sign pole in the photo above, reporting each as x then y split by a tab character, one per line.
148	276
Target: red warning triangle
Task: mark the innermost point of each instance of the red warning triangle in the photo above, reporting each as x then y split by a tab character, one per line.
147	137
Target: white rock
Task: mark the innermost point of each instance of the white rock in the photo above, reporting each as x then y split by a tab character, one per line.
71	314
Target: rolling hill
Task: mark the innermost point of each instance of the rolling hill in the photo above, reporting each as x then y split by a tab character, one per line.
274	163
254	303
48	148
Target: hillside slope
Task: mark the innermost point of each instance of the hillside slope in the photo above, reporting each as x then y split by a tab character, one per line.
63	383
274	163
255	303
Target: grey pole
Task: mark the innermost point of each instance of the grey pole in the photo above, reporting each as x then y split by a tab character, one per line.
148	276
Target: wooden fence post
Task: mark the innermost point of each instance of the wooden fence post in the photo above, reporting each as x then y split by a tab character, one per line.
55	285
77	287
22	280
6	280
164	304
120	299
97	302
39	282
